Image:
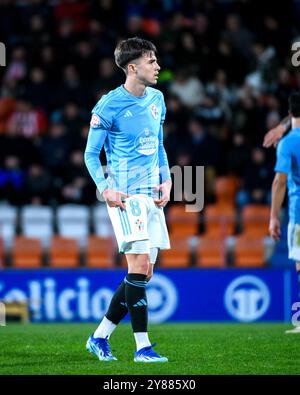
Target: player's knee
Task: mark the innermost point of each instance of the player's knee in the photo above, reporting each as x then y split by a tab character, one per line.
138	263
143	262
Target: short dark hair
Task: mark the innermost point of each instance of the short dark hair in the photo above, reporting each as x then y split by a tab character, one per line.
294	104
131	49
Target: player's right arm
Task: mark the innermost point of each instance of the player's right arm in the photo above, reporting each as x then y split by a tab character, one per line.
282	169
99	128
273	136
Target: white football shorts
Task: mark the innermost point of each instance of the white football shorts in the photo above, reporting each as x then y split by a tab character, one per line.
294	241
142	220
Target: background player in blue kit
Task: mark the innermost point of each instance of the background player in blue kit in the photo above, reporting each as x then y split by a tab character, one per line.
128	123
288	173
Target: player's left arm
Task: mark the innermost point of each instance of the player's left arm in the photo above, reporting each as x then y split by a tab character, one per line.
282	169
164	170
278	193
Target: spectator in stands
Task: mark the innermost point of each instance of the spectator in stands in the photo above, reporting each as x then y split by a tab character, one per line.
257	180
37	90
188	88
26	120
14	144
72	88
77	186
37	185
12	181
203	147
55	148
238	155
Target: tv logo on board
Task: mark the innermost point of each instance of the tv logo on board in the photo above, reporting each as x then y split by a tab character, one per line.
247	298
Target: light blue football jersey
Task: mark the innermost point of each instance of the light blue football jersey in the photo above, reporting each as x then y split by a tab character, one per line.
288	161
130	128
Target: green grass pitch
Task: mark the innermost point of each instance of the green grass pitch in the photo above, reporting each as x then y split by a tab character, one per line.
192	348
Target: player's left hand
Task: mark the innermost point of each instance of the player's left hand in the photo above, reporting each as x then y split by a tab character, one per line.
165	189
274	229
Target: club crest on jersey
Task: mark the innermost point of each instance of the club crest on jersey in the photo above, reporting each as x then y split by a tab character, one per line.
139	225
154	111
95	121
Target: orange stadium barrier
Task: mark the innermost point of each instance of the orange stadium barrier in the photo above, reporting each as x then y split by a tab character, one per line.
178	256
226	189
63	252
181	223
219	220
249	251
99	252
210	251
255	219
26	252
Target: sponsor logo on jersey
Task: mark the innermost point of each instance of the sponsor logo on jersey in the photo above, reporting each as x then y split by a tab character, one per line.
154	111
95	121
139	225
146	143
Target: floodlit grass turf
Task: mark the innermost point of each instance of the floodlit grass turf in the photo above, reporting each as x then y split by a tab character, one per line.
192	348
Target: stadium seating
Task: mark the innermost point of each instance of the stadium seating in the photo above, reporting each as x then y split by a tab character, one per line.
100	252
101	221
219	220
63	252
178	256
182	223
73	222
249	251
37	222
210	251
226	189
255	219
26	252
8	224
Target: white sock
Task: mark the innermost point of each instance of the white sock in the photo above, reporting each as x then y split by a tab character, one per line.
105	328
142	340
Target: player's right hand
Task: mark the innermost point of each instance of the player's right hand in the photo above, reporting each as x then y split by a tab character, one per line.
114	198
274	229
273	136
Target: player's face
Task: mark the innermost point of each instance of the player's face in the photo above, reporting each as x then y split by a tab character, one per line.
147	69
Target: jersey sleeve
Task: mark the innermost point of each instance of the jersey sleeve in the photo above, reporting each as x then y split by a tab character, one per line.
283	158
102	114
164	169
163	111
100	124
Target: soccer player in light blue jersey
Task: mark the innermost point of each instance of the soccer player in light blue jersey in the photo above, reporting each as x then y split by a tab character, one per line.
288	174
128	123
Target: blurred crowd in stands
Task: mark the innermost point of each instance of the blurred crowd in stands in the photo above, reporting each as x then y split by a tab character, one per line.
226	76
